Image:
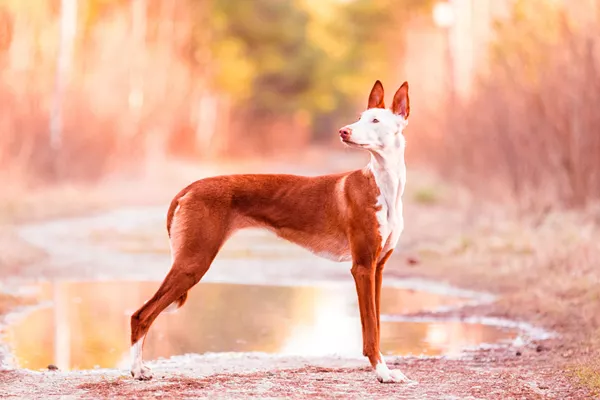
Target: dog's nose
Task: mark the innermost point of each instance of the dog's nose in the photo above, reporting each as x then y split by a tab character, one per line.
345	132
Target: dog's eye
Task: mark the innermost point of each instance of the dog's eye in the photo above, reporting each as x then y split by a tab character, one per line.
375	120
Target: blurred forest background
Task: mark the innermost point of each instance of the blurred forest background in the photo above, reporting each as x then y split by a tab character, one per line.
504	92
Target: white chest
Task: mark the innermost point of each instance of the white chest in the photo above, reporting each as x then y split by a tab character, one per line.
391	224
390	181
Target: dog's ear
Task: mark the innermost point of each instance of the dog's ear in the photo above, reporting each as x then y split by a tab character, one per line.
376	96
401	103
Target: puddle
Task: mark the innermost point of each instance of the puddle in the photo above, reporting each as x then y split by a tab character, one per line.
87	324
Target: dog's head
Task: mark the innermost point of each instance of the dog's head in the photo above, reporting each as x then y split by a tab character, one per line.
380	128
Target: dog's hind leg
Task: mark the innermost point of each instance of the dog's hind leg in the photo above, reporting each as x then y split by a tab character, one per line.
175	286
193	253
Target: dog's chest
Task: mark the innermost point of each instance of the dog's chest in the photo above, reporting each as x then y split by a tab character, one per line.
389	202
391	224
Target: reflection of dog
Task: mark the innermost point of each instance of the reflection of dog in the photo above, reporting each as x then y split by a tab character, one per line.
352	216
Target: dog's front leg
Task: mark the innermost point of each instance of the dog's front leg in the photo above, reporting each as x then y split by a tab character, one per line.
365	280
378	283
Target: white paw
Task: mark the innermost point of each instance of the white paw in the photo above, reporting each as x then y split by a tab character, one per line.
385	375
141	373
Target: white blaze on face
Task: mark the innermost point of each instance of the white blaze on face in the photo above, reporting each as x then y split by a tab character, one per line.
379	128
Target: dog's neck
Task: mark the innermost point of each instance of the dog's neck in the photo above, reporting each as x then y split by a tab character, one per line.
389	170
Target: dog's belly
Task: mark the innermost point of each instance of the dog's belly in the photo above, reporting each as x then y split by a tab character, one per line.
332	247
343	255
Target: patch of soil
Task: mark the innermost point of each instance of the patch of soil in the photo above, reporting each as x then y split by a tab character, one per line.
484	374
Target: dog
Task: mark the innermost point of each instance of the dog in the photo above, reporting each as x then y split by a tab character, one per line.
353	216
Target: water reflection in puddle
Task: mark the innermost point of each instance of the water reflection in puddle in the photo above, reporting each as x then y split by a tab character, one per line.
88	324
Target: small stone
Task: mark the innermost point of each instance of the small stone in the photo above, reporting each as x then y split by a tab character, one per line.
412	260
52	367
543	387
539	348
518	353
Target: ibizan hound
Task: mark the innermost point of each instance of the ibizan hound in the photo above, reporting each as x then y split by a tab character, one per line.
351	216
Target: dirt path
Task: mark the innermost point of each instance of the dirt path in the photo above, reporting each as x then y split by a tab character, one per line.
491	374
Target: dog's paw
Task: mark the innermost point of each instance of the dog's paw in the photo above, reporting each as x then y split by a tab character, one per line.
141	373
385	375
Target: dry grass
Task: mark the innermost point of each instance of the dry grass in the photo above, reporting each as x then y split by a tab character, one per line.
426	195
588	375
